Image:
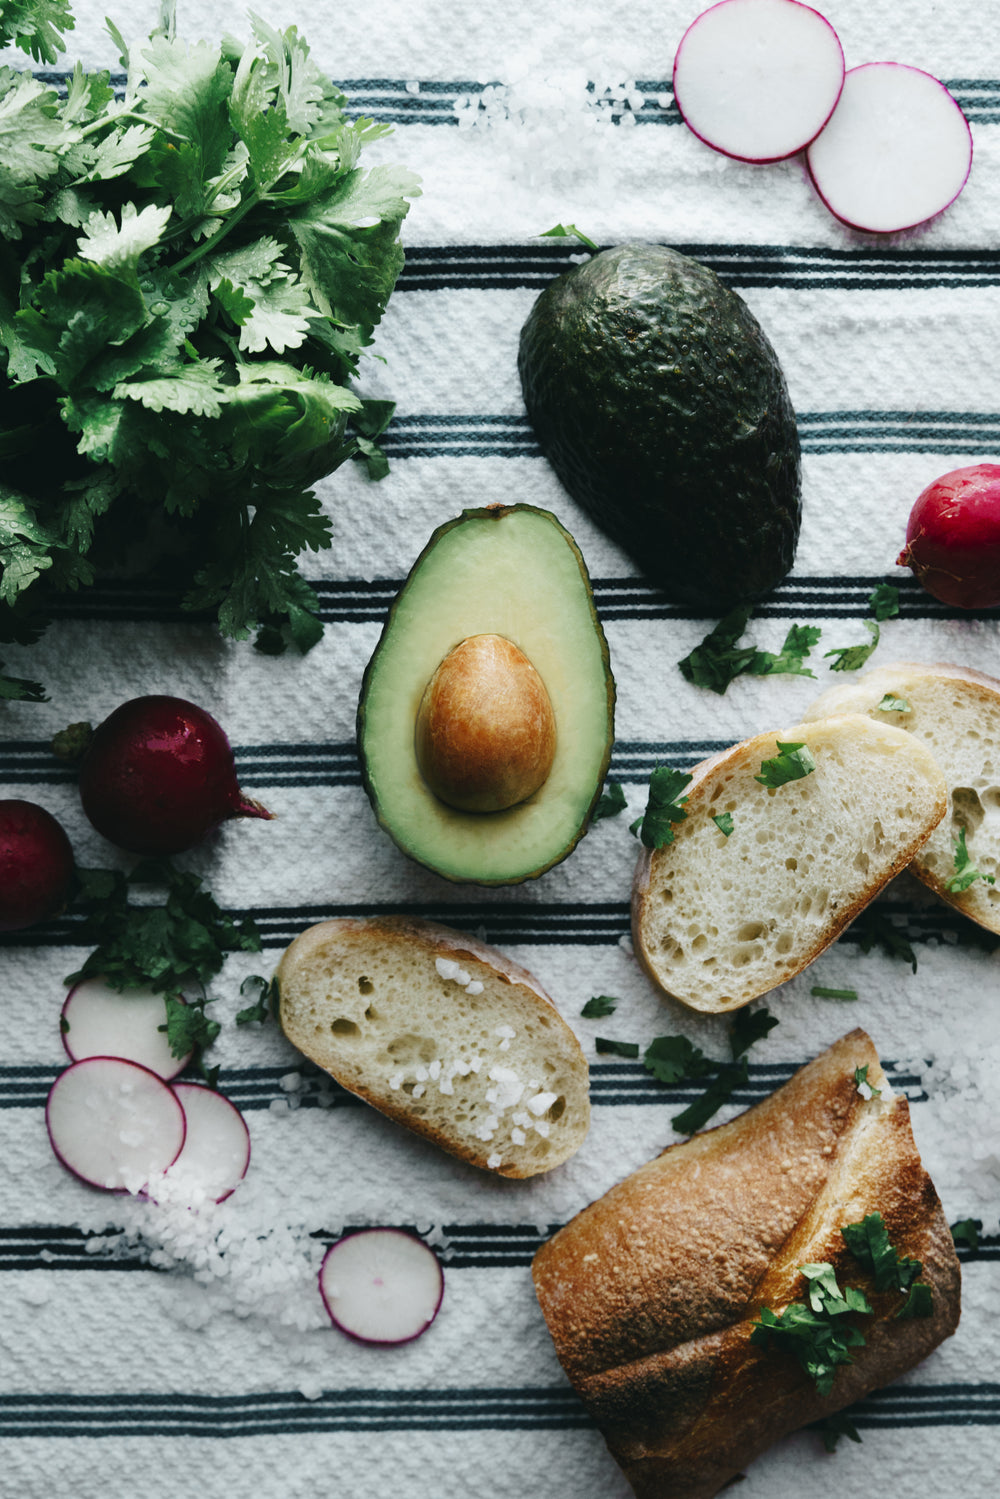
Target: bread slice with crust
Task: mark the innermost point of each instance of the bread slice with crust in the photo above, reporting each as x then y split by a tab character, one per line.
955	712
651	1293
443	1034
718	920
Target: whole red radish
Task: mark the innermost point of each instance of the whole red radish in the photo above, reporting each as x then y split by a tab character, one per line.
953	538
36	865
158	776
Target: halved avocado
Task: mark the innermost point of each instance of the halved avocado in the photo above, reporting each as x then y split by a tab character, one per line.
513	571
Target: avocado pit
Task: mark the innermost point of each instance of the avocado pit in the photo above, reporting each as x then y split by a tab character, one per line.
485	735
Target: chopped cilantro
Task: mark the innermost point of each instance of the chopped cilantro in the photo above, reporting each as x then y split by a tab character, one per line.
868	1241
724	823
664	807
966	1231
262	1006
966	873
728	1077
853	657
862	1084
188	1028
890	704
919	1302
611	803
599	1006
718	660
669	1058
36	26
616	1048
748	1027
792	763
884	601
568	231
819	991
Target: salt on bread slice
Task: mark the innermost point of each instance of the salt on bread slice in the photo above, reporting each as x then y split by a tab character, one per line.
955	712
717	920
651	1292
443	1034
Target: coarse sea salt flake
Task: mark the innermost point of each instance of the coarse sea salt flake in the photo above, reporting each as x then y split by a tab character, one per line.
518	1136
474	987
494	1161
541	1103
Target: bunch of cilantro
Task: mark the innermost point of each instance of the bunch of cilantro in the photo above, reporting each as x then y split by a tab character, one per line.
188	277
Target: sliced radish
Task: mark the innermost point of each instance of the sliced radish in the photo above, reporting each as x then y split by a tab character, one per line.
758	79
216	1150
114	1124
98	1021
381	1285
897	150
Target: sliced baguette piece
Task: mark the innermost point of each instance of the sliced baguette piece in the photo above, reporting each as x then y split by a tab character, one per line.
955	712
651	1292
717	921
443	1034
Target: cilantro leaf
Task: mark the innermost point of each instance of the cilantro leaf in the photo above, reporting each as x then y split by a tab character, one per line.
861	1083
36	26
919	1302
599	1006
853	657
718	660
569	231
724	823
188	1028
890	704
966	873
868	1241
966	1231
884	601
820	1340
611	803
790	659
262	1006
664	807
669	1058
728	1077
792	763
606	1047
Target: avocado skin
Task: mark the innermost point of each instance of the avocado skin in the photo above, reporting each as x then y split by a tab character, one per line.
658	400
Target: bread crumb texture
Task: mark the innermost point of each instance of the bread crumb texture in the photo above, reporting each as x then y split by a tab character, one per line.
444	1035
955	712
651	1293
720	920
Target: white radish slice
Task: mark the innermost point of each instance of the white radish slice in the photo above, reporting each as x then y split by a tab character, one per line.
114	1124
98	1021
381	1285
758	79
897	150
216	1150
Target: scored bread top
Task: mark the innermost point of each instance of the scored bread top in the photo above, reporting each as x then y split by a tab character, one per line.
955	712
717	920
441	1033
651	1292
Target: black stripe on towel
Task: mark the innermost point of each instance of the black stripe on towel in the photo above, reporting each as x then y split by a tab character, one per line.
178	1414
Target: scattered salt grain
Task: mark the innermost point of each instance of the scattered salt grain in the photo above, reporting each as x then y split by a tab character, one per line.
291	1082
494	1161
449	969
474	987
541	1103
518	1136
278	1106
412	86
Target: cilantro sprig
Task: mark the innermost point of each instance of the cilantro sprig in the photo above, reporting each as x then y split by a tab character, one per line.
718	660
664	807
966	874
612	802
793	762
192	278
174	945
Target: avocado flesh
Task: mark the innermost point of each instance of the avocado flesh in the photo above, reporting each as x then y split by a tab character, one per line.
511	571
661	405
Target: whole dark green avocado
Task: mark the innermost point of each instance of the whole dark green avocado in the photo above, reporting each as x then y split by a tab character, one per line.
661	405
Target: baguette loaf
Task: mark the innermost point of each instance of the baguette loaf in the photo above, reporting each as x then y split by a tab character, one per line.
650	1294
956	712
441	1033
717	920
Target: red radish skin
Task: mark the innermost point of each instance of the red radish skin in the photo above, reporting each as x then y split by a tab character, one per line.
896	152
953	538
216	1150
757	80
114	1124
98	1021
381	1285
159	776
36	865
